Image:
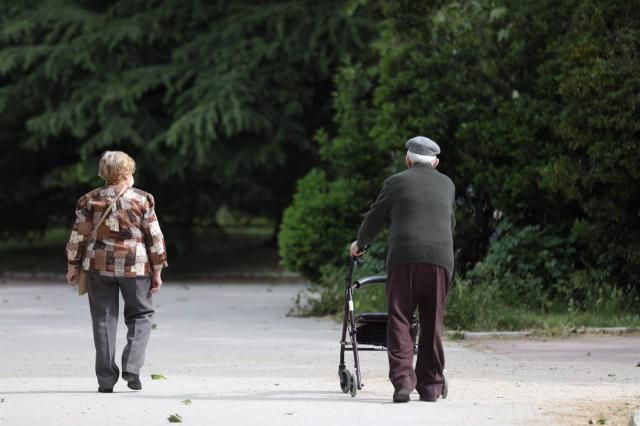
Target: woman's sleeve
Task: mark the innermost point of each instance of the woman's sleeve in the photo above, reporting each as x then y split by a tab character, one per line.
80	234
153	238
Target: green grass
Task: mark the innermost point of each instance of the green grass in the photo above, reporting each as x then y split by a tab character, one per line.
35	253
492	307
483	308
496	318
51	238
257	231
503	318
455	335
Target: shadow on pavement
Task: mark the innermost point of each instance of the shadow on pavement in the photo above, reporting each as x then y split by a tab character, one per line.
290	396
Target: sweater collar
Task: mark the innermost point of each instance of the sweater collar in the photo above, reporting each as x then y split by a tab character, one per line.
422	166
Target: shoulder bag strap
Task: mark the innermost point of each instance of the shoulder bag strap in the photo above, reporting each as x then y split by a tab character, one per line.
94	233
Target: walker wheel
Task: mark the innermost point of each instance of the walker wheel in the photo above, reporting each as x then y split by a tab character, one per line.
345	380
353	385
445	388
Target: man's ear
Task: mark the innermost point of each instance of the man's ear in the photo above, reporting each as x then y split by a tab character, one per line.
436	162
407	160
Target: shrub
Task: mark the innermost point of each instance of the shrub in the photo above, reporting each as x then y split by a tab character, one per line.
326	296
319	223
526	264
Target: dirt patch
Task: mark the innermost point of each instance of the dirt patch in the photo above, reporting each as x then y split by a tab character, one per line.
586	412
615	349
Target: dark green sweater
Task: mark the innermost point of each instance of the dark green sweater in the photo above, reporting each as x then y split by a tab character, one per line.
419	205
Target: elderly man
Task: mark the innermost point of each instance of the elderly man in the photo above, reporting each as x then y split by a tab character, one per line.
419	205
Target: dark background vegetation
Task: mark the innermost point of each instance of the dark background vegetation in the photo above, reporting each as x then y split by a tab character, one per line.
286	116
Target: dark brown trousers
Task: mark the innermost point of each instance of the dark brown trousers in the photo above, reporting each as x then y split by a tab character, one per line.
425	286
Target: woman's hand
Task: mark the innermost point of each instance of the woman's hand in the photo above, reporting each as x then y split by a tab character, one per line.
73	276
156	282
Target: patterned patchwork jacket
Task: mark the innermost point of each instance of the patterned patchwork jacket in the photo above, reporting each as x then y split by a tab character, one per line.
129	242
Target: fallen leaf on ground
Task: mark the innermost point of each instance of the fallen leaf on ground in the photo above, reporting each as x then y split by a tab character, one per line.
187	402
175	418
158	377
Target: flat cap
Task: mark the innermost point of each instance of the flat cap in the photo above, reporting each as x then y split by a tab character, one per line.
422	146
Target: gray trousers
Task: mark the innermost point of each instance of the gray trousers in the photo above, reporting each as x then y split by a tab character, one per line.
104	301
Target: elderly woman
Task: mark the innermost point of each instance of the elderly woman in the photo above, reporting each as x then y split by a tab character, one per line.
121	249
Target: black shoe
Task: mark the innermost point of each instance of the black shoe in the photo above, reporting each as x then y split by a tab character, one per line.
424	398
402	395
133	381
105	390
443	395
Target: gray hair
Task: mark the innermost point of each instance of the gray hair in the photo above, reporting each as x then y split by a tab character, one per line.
421	159
115	166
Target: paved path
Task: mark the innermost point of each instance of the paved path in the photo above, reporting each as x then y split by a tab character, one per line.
234	353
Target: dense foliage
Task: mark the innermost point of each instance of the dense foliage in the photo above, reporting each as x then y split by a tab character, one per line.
535	106
242	104
326	206
218	101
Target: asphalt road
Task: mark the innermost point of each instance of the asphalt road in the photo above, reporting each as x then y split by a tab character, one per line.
234	353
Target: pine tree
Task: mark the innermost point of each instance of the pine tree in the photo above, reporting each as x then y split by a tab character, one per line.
218	101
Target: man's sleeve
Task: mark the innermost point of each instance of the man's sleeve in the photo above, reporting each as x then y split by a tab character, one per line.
375	219
453	212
